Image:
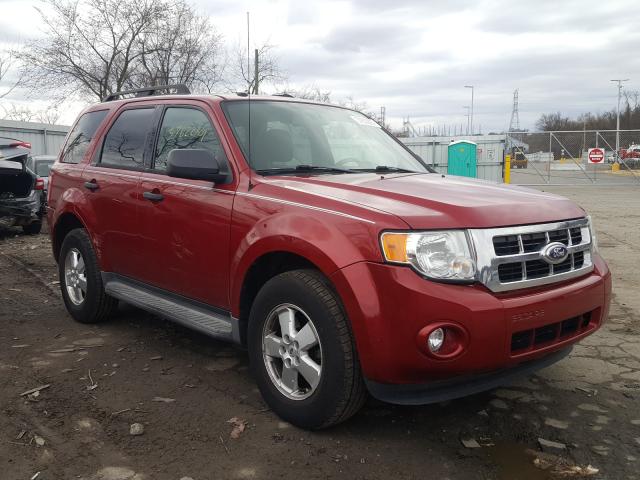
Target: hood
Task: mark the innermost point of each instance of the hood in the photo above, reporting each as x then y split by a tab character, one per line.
433	200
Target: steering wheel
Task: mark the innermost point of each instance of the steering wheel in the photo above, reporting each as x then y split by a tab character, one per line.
350	162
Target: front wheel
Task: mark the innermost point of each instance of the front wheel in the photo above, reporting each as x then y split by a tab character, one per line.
302	352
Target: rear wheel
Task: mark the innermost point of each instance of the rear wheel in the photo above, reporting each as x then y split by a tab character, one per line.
302	352
80	280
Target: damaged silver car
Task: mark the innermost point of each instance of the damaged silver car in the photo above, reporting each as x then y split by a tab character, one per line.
22	201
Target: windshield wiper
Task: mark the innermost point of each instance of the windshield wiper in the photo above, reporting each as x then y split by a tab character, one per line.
386	169
302	169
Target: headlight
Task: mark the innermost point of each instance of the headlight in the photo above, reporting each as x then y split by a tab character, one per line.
592	231
444	255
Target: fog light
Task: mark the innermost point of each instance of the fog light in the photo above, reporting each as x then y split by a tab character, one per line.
436	339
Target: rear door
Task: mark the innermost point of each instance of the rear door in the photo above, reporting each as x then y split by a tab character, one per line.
186	223
112	181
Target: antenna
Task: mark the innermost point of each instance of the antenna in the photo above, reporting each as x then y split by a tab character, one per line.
249	85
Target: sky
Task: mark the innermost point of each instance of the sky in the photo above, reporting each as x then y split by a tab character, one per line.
414	57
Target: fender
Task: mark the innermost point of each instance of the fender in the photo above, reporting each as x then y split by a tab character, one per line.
74	201
328	245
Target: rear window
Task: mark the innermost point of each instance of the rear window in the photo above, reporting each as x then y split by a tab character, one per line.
42	167
124	144
81	136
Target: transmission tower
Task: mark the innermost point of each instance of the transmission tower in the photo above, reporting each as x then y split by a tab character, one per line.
514	124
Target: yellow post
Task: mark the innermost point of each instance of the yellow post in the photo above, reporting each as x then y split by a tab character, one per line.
507	169
615	167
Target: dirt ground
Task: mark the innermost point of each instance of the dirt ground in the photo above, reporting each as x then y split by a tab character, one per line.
184	388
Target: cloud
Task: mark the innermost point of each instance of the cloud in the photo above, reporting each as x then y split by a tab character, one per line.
415	56
370	37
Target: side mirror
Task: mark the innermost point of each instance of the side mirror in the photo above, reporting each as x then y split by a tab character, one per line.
194	164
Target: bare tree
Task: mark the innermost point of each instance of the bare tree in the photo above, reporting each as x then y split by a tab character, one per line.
49	115
19	113
309	93
632	99
96	47
22	113
182	48
244	78
554	121
6	63
354	104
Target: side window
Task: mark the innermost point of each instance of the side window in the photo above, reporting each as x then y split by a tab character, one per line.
81	136
187	128
124	144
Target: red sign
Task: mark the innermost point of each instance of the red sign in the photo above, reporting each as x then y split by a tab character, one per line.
596	155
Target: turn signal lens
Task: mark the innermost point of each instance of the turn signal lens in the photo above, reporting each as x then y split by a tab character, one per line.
395	246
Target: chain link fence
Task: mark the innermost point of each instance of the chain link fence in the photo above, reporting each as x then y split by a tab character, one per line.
562	158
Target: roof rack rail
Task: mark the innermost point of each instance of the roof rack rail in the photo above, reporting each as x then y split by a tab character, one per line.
283	94
180	89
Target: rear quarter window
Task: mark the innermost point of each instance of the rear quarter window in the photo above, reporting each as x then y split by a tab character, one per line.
81	136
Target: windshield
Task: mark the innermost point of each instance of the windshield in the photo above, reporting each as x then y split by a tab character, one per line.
43	167
308	137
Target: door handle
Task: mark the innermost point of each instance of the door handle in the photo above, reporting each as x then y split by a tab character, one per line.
92	185
154	197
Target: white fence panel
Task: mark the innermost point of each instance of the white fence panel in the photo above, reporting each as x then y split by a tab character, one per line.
44	139
490	153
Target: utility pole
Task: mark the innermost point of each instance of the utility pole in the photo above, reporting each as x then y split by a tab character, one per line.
471	118
619	80
255	73
468	115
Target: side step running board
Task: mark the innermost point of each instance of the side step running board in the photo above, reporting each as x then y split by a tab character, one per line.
172	307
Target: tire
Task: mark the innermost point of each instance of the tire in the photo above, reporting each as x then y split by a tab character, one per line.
340	391
33	228
95	305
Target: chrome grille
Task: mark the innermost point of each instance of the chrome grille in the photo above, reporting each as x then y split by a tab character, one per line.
510	258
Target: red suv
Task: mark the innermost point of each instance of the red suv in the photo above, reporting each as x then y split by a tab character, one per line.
309	235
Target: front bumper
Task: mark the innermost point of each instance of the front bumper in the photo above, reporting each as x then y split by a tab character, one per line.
457	387
389	306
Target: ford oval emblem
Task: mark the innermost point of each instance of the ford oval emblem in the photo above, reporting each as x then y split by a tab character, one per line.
555	253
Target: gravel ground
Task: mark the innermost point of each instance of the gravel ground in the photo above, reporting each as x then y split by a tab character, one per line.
183	388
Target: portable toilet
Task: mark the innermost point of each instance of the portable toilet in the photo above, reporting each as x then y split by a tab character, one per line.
462	159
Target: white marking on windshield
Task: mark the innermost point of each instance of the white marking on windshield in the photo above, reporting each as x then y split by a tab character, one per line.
363	120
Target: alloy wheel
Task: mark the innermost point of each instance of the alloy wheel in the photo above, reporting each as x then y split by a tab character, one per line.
75	278
292	352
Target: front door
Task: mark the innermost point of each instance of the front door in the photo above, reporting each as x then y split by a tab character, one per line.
186	223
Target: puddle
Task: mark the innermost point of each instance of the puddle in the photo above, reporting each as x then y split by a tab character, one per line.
513	462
